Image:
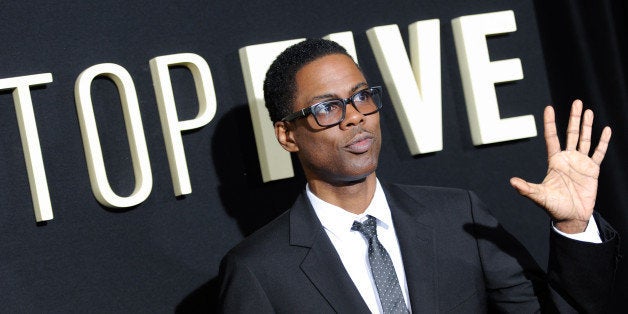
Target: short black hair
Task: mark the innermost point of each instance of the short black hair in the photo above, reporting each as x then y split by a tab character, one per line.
280	83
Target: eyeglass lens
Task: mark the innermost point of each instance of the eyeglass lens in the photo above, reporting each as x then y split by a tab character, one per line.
332	112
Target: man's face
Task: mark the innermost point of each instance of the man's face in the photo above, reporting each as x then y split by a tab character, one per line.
343	153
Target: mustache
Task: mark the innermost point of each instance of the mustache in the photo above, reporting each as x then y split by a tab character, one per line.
358	134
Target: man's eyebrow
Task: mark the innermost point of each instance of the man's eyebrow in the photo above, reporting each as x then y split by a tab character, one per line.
323	97
328	96
359	86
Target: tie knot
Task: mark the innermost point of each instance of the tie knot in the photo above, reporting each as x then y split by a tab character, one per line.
368	228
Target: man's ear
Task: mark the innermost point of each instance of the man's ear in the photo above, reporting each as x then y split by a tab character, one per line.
285	136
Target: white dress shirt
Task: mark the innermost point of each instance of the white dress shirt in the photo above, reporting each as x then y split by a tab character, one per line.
352	247
590	234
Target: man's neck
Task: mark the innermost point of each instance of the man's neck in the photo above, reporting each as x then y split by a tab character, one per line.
353	197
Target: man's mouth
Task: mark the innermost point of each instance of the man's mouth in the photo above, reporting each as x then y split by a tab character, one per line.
360	144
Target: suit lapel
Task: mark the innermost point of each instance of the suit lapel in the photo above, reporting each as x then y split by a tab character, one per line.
416	241
322	264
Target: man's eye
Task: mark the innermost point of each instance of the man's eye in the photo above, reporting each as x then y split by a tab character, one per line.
327	108
364	95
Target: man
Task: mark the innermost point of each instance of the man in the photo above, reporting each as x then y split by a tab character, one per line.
352	245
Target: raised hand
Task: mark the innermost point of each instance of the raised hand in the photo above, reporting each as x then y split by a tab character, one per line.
569	189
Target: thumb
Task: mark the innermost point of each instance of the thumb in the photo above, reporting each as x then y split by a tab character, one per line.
523	187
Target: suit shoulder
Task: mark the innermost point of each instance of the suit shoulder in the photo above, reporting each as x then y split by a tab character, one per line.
430	192
269	237
436	202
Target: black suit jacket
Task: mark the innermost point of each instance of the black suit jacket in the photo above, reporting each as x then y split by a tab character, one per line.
457	258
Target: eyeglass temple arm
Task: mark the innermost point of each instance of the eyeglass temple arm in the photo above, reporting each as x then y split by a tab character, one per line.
298	114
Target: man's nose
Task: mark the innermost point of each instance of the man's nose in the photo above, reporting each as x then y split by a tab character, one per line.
352	117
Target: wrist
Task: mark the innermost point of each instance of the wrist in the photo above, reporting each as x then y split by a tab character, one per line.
571	226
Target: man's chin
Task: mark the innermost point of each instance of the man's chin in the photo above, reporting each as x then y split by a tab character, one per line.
355	178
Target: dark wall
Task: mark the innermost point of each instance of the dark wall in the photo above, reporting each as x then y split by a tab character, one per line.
585	45
163	254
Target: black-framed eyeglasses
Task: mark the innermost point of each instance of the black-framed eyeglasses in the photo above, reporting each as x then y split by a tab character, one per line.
331	112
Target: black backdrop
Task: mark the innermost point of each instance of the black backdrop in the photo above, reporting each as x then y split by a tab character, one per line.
163	254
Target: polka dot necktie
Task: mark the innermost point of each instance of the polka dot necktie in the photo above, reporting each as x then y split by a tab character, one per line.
382	268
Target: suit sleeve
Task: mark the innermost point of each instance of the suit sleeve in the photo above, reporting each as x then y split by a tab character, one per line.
240	291
580	274
583	273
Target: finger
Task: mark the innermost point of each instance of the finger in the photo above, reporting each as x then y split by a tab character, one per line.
600	150
585	133
573	127
551	137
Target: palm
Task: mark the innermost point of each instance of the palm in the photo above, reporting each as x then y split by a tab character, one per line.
569	189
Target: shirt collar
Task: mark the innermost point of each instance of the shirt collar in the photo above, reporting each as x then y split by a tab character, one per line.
339	221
